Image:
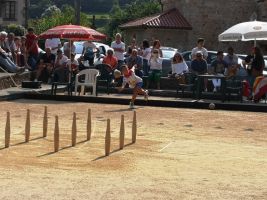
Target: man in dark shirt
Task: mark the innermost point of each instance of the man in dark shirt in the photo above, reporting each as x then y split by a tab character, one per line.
199	64
45	65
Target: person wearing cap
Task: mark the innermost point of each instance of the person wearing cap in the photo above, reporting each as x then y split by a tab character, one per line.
199	47
231	60
110	59
60	70
45	65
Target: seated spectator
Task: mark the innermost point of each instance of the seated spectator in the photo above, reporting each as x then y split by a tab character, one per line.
45	66
80	64
179	66
73	66
135	61
12	46
232	62
7	64
254	64
4	44
66	48
61	72
155	68
110	59
199	66
54	44
218	67
19	56
23	51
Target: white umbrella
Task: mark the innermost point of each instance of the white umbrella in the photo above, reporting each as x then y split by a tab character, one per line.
253	30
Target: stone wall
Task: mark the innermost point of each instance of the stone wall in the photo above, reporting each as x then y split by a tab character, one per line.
209	18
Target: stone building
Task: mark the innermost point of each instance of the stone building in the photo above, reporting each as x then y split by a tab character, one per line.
12	12
208	18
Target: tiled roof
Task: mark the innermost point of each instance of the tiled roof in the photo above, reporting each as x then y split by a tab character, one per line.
171	19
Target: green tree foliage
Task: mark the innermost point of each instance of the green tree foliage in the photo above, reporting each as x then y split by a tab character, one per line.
18	30
135	10
50	11
67	16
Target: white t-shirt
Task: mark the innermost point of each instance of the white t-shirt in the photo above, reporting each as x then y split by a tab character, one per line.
119	55
203	50
53	44
132	80
63	60
179	68
147	53
66	47
72	64
156	64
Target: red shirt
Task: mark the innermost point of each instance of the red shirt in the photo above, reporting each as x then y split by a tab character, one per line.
111	60
31	44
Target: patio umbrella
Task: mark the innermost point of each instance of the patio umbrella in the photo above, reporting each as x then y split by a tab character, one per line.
72	32
246	31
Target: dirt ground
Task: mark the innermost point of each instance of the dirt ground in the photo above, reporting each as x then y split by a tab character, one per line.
179	154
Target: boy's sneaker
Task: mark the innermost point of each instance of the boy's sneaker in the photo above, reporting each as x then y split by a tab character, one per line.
146	95
131	105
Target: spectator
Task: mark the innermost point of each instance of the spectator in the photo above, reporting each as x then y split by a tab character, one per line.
89	50
146	54
157	45
199	47
54	44
135	61
45	65
119	49
218	67
32	48
133	45
19	56
199	66
110	59
179	66
7	63
257	65
61	71
73	67
66	48
12	46
4	45
155	68
23	51
232	62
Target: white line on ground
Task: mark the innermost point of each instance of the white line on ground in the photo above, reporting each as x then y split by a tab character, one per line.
166	146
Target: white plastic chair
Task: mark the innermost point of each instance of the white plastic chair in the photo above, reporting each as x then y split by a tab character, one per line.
90	79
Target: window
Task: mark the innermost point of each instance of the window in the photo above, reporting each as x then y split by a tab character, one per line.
10	10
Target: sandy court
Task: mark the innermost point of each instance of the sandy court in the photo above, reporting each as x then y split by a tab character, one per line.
179	154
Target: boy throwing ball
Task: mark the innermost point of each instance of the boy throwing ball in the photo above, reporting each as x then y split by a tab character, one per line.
134	82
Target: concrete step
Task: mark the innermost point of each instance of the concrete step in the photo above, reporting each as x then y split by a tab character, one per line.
8	80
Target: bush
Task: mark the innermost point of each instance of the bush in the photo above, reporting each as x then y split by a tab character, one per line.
18	30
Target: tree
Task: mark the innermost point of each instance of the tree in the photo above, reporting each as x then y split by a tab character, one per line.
67	16
50	11
132	11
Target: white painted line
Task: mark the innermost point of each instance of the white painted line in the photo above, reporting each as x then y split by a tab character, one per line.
166	146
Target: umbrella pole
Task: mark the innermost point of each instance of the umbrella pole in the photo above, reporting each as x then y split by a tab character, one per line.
255	42
70	71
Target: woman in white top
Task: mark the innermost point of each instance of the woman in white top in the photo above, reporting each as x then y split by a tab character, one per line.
155	68
179	66
146	54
